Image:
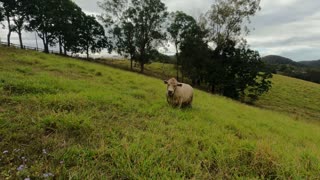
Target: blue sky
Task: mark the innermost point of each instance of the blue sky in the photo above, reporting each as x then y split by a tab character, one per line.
289	28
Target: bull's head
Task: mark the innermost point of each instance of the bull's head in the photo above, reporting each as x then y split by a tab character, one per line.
172	85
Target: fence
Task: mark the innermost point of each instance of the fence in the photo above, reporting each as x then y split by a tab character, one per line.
72	55
28	47
50	51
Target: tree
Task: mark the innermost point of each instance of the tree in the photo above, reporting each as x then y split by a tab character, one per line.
148	16
19	18
1	15
180	27
119	27
92	36
245	75
233	69
124	37
67	25
226	20
1	11
8	7
141	18
41	19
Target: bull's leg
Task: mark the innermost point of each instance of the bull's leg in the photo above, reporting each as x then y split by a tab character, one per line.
180	104
190	103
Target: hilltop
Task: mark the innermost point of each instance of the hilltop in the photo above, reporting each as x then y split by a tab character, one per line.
305	70
315	64
77	120
279	60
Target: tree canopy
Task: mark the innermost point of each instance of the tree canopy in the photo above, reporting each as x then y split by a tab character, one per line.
19	16
138	26
180	27
1	12
228	66
92	36
8	7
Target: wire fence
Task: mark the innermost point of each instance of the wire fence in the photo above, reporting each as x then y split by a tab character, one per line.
77	56
71	55
28	47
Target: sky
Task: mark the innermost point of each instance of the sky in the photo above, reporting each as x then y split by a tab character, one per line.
289	28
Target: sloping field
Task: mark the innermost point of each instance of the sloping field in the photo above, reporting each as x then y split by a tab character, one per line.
77	120
294	97
300	99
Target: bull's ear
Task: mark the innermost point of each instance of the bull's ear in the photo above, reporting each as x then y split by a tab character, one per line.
180	84
166	82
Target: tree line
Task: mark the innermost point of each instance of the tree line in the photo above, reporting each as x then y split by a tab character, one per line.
210	51
56	22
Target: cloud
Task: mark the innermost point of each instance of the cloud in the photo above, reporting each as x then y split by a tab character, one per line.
290	28
90	6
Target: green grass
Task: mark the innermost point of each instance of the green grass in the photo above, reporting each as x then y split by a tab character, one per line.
79	120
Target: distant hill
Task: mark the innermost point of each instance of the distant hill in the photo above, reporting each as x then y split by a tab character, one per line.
279	60
311	63
306	70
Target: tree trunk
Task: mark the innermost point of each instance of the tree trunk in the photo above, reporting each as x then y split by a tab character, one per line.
87	52
60	45
45	45
46	48
142	59
20	38
177	56
9	33
141	67
64	50
213	88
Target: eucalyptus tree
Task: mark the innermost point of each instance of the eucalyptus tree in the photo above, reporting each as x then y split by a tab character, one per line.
120	27
8	7
92	36
234	68
42	20
1	11
180	25
228	20
19	18
67	24
137	26
1	14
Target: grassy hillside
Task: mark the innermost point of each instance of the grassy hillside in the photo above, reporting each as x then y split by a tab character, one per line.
300	99
76	120
307	70
297	98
